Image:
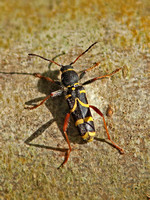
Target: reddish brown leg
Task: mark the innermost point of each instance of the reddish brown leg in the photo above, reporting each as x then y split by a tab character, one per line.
101	114
89	69
101	77
56	93
46	78
66	122
53	94
33	107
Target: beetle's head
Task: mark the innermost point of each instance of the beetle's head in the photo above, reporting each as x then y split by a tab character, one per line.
69	77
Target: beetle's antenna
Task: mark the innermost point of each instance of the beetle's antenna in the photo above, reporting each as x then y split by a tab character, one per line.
83	53
32	54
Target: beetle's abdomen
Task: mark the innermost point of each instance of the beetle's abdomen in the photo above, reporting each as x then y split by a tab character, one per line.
81	113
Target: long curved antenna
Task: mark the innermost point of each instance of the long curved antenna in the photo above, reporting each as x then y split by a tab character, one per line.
32	54
83	53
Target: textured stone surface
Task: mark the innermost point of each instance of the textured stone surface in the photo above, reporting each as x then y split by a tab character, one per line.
95	170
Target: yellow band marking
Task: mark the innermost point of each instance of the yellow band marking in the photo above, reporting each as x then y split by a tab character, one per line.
87	119
79	121
92	134
68	70
67	96
87	134
82	91
74	106
82	104
76	84
90	140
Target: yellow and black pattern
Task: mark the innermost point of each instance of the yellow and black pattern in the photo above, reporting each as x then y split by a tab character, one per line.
79	108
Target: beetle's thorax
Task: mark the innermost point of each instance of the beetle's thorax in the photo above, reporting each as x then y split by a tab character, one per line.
69	77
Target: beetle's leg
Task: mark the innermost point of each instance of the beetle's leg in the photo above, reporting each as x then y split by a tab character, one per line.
101	114
89	69
33	107
46	78
53	94
66	122
101	77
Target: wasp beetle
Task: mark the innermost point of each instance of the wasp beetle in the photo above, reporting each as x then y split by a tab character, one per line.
75	96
